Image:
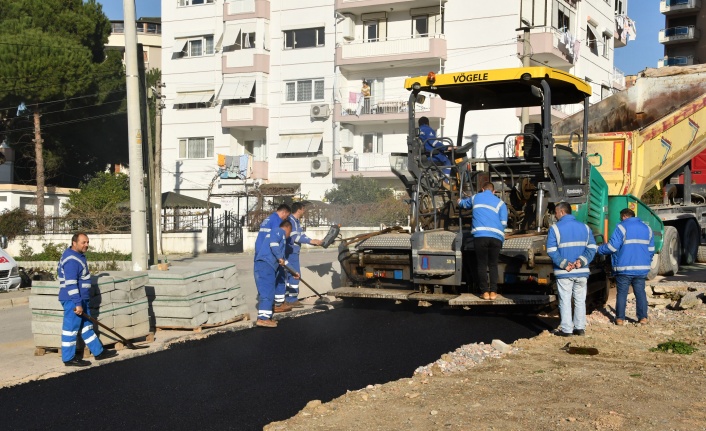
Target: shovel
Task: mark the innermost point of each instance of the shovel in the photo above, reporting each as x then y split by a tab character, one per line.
127	343
321	300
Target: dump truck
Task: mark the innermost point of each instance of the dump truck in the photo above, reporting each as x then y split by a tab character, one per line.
645	137
433	260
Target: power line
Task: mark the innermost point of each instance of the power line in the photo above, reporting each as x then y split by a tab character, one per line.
67	99
78	120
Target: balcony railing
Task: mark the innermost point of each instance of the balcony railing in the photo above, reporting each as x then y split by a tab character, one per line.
372	164
618	79
679	34
364	54
551	47
246	9
245	116
674	6
374	110
676	61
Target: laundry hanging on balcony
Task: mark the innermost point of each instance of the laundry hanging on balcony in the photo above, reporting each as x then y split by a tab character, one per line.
238	167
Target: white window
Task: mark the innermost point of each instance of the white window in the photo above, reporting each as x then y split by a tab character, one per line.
257	149
564	16
606	44
304	38
195	148
372	143
194	2
619	9
420	26
305	90
195	47
245	41
372	31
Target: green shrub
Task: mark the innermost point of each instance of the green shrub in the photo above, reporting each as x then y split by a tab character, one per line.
678	347
14	223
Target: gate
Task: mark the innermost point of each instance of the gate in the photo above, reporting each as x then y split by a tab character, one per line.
225	234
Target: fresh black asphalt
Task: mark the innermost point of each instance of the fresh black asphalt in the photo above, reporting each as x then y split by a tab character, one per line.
246	379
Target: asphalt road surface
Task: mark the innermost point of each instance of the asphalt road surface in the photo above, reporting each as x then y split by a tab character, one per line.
244	380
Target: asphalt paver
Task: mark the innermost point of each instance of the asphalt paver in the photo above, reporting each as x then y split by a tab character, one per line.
246	379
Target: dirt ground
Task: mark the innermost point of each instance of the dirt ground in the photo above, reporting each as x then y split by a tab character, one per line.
539	386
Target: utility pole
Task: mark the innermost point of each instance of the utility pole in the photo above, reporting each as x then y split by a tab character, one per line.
134	124
39	162
156	170
526	50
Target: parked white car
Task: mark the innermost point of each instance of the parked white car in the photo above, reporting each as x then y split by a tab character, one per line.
9	272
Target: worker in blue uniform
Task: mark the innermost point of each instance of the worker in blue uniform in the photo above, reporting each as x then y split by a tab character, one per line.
428	138
488	229
297	238
269	274
75	286
272	222
571	246
632	246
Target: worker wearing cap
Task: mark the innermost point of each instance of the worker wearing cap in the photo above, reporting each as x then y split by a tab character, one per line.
428	137
632	246
488	229
74	293
297	238
571	246
269	274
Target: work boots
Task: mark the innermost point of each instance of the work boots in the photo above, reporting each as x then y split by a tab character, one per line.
76	362
266	323
283	308
105	354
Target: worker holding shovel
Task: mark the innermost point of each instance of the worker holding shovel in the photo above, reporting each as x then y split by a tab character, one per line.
75	282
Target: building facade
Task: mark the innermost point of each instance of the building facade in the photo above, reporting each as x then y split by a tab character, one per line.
300	96
684	21
149	34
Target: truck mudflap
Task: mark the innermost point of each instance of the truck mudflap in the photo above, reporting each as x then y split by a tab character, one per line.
451	299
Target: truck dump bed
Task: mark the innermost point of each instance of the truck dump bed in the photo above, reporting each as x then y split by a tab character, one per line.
641	136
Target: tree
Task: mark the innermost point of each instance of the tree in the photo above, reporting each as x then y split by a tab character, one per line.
51	51
100	205
358	190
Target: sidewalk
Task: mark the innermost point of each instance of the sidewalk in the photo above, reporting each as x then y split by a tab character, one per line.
14	298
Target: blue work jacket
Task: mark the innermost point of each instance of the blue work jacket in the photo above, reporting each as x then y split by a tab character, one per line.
632	246
297	238
74	277
272	249
569	240
489	215
268	225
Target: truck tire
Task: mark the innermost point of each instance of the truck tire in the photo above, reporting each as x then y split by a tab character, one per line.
670	255
654	267
690	240
701	256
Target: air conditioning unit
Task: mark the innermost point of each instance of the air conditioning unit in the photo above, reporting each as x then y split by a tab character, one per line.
320	165
347	26
319	112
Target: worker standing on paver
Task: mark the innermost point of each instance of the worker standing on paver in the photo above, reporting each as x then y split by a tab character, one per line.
632	246
269	259
297	238
75	282
488	229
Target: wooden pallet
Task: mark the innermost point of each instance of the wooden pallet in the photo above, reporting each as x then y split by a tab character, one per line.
241	317
41	351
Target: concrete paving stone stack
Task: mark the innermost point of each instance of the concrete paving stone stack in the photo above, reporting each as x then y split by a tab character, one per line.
47	314
119	301
195	295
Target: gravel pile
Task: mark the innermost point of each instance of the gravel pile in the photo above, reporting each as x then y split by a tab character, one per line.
461	359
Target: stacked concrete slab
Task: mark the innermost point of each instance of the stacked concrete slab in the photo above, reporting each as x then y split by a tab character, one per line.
194	296
118	300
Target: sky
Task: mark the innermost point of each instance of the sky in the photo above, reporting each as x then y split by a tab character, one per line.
640	53
645	50
144	8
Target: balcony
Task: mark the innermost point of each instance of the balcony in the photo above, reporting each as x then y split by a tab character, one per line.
246	9
386	111
371	165
421	51
260	170
363	6
253	116
549	48
679	34
672	7
246	61
617	79
676	61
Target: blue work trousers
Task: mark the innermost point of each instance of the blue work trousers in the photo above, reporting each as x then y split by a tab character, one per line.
270	283
292	283
74	323
638	287
576	288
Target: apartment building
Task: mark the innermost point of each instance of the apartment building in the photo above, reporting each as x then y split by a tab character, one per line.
681	36
149	34
279	97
